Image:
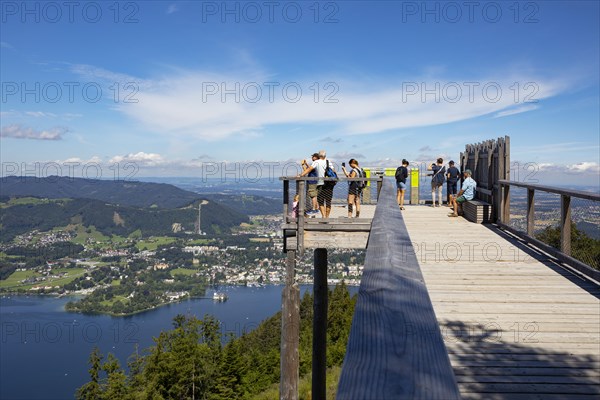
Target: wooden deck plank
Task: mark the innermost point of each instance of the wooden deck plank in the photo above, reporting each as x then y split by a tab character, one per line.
516	324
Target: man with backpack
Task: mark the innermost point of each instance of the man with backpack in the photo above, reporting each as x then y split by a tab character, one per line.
324	188
355	188
401	176
312	185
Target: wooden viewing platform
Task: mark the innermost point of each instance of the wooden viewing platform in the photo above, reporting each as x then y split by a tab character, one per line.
452	309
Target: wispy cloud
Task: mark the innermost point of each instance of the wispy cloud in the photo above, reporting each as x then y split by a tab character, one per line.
39	114
215	106
560	148
17	131
6	45
346	156
517	110
172	8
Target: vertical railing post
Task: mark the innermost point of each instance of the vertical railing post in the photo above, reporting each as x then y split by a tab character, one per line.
286	199
565	224
319	356
530	211
301	218
505	213
290	332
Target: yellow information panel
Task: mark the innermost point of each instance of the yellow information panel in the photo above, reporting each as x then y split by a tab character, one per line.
414	186
414	177
390	172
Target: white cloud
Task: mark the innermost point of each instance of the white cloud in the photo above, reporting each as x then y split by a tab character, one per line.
39	114
17	131
517	110
197	105
172	8
584	167
141	158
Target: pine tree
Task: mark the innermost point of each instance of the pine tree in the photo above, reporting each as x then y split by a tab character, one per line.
115	386
92	389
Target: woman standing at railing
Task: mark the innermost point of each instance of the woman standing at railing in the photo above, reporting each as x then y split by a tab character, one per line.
354	187
437	180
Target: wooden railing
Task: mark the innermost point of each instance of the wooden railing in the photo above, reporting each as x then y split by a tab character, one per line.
297	226
564	254
395	349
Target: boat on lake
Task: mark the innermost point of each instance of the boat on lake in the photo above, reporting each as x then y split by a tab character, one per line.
219	296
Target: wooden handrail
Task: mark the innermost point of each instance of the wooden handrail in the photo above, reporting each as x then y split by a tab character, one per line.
551	189
564	253
395	349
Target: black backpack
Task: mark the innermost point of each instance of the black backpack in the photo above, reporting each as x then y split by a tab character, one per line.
361	174
401	174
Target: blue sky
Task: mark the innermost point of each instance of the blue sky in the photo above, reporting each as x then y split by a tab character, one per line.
172	86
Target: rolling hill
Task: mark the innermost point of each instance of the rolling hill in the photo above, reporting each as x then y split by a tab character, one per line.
17	218
118	192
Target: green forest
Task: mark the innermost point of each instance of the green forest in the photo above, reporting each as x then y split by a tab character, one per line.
195	360
583	247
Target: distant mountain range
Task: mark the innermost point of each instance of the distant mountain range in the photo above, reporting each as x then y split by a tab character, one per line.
118	192
132	193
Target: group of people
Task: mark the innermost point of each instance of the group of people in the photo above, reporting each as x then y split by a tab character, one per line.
320	190
439	175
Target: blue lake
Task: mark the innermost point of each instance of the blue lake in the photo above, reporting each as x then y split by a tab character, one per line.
44	350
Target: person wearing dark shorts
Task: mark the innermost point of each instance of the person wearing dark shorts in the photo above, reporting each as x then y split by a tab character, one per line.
354	187
452	176
312	185
401	175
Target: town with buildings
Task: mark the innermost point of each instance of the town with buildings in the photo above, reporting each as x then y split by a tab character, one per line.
112	274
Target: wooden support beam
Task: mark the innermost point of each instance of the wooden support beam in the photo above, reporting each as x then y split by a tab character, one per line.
290	332
319	356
